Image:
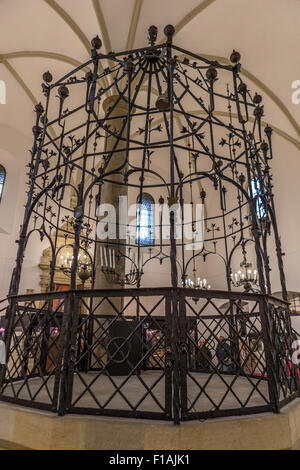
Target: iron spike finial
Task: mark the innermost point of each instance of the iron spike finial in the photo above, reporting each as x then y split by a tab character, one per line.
152	34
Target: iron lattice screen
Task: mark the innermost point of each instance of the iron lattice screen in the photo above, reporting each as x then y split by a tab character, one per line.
233	376
35	351
160	353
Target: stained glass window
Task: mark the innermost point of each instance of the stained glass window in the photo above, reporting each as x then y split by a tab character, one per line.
2	179
260	208
145	220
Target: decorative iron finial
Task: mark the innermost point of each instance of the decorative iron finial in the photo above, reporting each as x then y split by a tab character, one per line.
235	57
89	76
39	108
211	74
202	195
96	42
268	130
63	92
242	88
257	98
47	77
264	146
169	31
152	35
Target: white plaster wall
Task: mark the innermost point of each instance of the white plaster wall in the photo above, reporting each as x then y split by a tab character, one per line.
9	216
286	171
14	155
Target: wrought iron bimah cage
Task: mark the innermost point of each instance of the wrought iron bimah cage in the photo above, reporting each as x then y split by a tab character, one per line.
171	132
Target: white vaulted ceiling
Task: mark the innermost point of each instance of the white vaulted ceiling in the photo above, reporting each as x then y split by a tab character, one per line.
40	35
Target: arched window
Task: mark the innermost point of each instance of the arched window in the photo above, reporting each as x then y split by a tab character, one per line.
295	304
2	179
256	190
145	220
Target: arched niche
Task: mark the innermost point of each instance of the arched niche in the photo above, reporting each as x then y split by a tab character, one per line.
61	280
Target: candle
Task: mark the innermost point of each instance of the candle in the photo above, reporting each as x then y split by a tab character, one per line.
105	256
114	260
101	255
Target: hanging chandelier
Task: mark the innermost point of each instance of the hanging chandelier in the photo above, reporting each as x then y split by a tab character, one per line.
245	277
197	284
84	264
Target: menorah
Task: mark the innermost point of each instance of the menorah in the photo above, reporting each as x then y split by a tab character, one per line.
109	266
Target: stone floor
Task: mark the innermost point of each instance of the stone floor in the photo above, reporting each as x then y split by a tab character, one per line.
212	390
296	446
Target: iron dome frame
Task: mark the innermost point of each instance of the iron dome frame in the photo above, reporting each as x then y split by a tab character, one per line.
73	157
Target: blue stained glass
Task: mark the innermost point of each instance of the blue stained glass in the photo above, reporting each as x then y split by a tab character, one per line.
145	220
260	208
2	179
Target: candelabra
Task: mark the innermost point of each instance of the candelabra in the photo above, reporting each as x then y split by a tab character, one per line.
109	259
84	265
197	283
246	276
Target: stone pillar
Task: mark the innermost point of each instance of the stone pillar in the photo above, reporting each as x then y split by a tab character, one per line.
110	194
